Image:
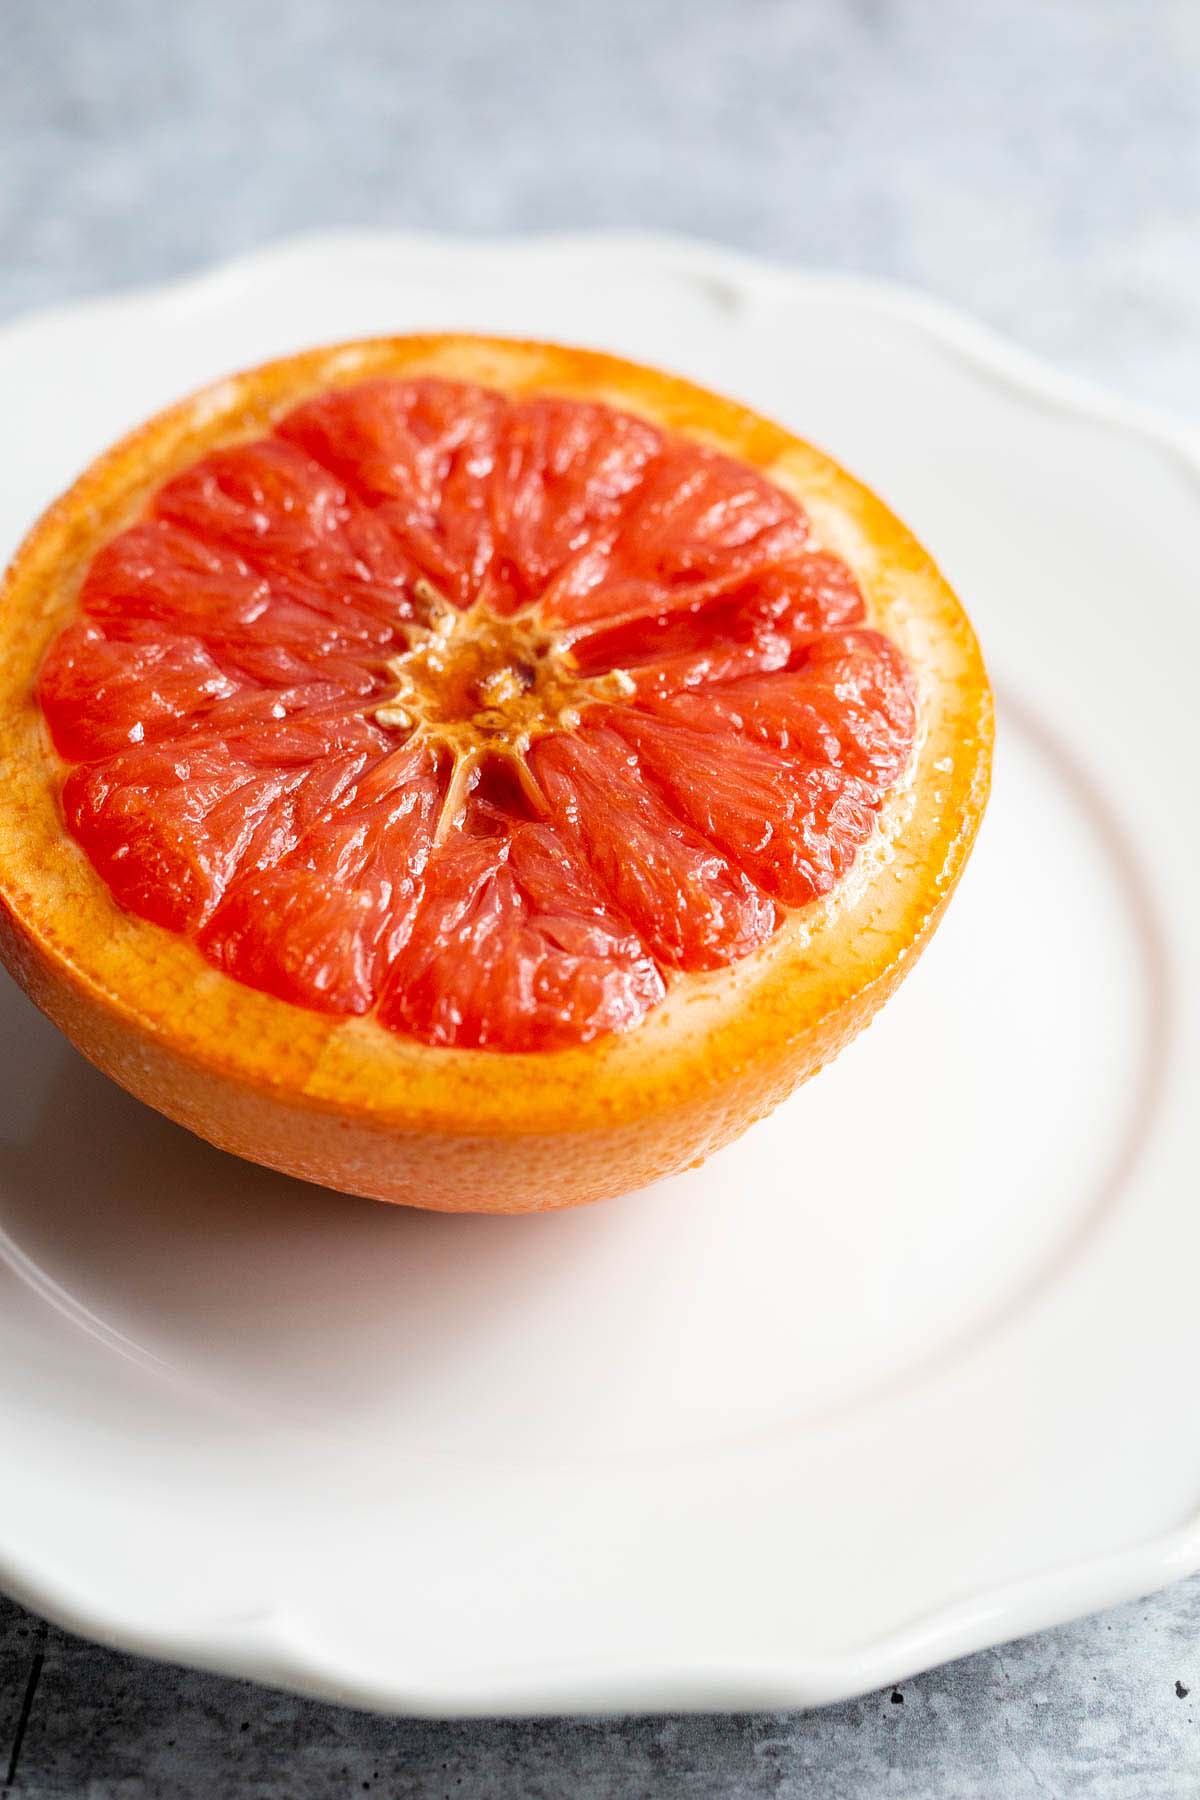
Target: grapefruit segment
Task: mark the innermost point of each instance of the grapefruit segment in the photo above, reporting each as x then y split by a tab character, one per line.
848	701
321	924
99	694
794	827
168	825
671	651
514	947
694	524
563	472
420	456
290	520
694	908
156	580
726	628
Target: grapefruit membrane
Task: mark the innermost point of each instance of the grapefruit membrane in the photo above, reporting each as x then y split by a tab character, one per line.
473	773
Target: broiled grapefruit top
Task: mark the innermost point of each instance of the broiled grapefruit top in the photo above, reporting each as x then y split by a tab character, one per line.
426	697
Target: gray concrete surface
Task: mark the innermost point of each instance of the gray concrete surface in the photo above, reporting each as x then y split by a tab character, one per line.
1036	161
1104	1710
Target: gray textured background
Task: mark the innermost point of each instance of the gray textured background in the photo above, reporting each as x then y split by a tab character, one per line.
1035	161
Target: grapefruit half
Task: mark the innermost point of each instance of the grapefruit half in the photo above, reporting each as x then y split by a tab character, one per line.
472	773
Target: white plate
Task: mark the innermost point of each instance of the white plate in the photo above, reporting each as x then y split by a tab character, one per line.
905	1372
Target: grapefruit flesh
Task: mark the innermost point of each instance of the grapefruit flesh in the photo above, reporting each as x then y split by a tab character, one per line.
495	718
